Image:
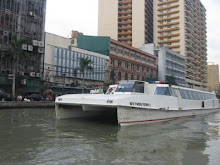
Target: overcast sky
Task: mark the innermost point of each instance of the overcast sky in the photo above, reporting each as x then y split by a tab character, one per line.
82	15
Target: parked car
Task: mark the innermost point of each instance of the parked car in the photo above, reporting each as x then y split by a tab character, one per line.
5	96
35	97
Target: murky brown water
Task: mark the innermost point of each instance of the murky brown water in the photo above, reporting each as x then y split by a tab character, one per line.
36	137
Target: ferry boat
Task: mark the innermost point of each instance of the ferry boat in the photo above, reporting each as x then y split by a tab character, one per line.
138	102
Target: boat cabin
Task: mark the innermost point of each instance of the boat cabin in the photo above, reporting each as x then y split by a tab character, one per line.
162	89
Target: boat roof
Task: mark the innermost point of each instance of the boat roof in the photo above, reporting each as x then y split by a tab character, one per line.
168	85
185	88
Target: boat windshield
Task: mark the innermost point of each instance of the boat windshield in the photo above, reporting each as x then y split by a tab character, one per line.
125	86
162	91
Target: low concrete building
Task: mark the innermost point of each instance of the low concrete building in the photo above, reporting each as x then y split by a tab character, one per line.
62	62
169	63
213	78
126	62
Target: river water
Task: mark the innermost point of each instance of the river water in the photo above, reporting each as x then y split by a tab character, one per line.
34	136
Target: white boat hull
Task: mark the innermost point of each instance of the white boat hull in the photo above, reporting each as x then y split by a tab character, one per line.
131	116
139	107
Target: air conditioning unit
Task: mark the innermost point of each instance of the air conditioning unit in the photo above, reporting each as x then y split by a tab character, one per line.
40	43
31	13
32	74
35	42
5	33
23	81
21	73
24	46
10	76
38	74
40	50
30	48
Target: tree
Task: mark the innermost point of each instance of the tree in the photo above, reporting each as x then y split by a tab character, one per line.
13	53
171	80
150	78
84	66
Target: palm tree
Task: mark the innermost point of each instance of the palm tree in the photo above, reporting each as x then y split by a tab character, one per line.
170	80
84	66
13	53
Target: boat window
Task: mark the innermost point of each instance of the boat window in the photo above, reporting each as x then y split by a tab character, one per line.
183	94
125	86
188	94
173	92
138	87
213	96
206	96
203	96
197	96
193	95
162	91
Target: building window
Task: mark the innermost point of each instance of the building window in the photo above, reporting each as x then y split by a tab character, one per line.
132	55
132	66
126	76
113	61
126	53
120	51
113	49
126	64
132	76
138	68
119	63
119	76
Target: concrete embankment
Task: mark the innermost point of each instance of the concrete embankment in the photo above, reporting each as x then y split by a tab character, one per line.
22	104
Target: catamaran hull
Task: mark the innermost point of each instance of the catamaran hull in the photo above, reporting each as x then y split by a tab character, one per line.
131	116
127	115
78	111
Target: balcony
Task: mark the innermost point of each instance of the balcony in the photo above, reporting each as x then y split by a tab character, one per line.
125	28
173	23
125	33
125	6
172	12
125	38
125	12
168	18
125	2
163	3
170	35
125	17
169	7
169	41
169	29
125	22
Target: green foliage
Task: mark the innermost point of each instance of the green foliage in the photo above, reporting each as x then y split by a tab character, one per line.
151	78
14	49
85	64
171	80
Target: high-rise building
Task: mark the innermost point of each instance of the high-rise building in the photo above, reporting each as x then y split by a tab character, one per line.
127	21
26	19
181	26
213	78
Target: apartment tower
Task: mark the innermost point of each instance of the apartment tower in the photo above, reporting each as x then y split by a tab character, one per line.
127	21
181	26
